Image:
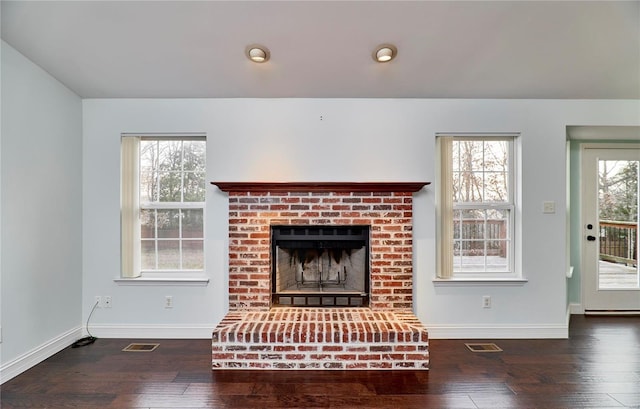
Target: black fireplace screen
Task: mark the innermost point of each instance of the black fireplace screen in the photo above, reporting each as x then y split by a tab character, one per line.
320	265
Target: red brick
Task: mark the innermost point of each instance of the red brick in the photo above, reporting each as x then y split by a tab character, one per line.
247	356
394	357
320	357
260	365
218	356
284	348
417	357
357	365
345	357
380	365
369	357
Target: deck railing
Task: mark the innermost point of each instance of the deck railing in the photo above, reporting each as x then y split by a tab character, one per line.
619	242
481	237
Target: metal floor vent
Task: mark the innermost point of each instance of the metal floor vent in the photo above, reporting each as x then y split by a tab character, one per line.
140	347
490	347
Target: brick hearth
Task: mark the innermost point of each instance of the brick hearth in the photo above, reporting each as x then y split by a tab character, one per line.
320	338
384	335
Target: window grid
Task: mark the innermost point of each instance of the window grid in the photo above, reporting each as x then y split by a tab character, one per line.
156	205
478	249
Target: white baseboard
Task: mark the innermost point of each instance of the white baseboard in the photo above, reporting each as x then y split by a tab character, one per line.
31	358
515	331
576	309
159	331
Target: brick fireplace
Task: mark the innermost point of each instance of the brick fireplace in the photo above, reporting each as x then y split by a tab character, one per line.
256	334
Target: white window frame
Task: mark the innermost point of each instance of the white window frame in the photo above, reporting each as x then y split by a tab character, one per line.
131	207
445	208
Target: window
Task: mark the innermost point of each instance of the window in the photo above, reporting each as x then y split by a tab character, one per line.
163	194
476	207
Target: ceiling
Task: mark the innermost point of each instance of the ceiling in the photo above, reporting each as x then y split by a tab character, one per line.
446	49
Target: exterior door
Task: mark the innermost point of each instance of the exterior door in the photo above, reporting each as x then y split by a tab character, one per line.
611	279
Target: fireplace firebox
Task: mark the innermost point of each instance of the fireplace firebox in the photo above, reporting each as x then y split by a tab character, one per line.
320	266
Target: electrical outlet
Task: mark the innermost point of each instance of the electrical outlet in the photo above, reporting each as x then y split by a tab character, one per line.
168	301
98	301
107	301
486	301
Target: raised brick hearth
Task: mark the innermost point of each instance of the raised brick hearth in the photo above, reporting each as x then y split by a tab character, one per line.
384	335
320	338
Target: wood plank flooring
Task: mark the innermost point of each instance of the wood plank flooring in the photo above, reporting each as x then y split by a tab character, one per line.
598	367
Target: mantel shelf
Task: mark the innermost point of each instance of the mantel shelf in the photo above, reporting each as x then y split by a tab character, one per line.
320	186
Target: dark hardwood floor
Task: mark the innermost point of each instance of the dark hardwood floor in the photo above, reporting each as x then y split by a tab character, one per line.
597	367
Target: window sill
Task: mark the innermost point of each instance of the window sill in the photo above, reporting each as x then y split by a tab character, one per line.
175	281
443	282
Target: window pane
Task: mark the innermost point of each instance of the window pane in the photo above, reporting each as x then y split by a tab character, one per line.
148	168
496	187
170	156
456	186
475	248
497	255
192	223
618	190
457	255
148	187
148	156
194	155
168	254
497	224
472	224
168	223
193	254
472	256
468	154
496	156
170	187
471	187
147	223
194	189
148	256
457	224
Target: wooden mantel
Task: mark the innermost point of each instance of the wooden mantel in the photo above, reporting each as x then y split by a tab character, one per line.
320	186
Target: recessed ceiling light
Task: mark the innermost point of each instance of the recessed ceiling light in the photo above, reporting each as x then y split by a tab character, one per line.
385	53
258	53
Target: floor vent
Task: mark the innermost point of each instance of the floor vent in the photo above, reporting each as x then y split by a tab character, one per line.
483	347
140	347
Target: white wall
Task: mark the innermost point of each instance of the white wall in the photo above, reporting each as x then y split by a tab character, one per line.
41	214
339	140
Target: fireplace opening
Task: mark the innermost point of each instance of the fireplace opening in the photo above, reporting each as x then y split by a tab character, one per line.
320	266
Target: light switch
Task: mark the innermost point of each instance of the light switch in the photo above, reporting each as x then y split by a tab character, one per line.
548	207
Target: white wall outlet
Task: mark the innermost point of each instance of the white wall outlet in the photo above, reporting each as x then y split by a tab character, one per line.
98	301
486	301
168	301
548	207
107	301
